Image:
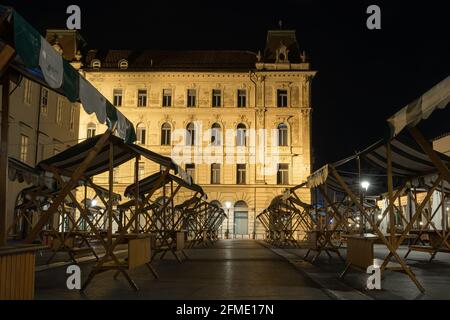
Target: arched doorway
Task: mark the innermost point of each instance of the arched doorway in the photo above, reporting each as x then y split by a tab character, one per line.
240	218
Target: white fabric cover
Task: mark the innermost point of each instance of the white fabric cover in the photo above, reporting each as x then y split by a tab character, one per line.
51	64
436	205
92	100
384	223
318	178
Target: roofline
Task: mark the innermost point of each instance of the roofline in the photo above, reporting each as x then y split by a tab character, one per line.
441	136
217	70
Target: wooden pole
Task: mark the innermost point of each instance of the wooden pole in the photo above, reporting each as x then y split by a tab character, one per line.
111	185
4	159
136	193
428	149
390	192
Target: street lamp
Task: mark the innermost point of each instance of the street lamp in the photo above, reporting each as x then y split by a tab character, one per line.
93	203
228	206
365	185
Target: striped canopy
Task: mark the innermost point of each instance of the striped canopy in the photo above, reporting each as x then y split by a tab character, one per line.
70	159
147	184
408	161
437	97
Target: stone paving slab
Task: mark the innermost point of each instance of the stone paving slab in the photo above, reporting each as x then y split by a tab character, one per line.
434	276
232	269
329	282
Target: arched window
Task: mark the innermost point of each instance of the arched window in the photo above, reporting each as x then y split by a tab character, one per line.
123	64
91	129
215	134
282	135
140	133
96	64
190	134
240	218
165	134
241	135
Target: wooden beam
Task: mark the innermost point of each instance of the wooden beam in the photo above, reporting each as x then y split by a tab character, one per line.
6	56
390	191
136	192
428	149
61	195
4	159
110	189
389	245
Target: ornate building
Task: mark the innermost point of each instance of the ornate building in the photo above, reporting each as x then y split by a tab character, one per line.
239	122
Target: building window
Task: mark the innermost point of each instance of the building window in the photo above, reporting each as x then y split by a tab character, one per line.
167	98
216	98
165	134
282	98
141	170
44	100
140	134
283	173
41	151
96	64
123	64
59	110
27	91
240	173
215	134
24	148
191	98
282	135
72	118
215	173
190	134
241	135
242	98
91	128
117	97
142	97
190	169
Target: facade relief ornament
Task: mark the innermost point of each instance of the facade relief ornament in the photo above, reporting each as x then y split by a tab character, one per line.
306	112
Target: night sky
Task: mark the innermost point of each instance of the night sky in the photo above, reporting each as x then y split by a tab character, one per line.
363	76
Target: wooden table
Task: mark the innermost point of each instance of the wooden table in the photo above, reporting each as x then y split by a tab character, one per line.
139	254
17	267
67	242
435	239
319	243
360	253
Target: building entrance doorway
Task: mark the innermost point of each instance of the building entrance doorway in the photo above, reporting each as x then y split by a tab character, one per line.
240	218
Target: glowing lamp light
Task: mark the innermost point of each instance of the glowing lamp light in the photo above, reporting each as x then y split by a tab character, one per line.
357	225
349	224
227	204
365	185
93	203
358	218
380	216
421	223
